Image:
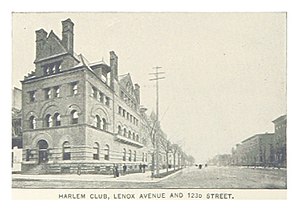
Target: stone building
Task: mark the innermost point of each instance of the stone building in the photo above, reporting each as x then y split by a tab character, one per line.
77	115
16	130
255	151
280	140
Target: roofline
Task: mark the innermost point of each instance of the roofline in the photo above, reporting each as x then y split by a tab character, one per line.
256	135
280	118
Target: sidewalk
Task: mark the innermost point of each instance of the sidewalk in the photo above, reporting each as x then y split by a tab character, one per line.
135	177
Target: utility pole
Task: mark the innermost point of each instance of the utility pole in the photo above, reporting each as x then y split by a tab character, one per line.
157	78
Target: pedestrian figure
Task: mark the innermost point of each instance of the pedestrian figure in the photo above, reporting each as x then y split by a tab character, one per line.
199	166
143	168
79	170
124	169
116	171
140	167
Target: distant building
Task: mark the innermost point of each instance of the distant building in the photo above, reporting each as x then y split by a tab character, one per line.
255	151
280	140
17	142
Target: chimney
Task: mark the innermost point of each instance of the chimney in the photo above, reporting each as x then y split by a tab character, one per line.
68	35
114	65
137	92
41	36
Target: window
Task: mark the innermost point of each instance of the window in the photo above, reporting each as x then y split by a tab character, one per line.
106	154
32	96
135	156
137	137
57	119
119	130
96	151
74	89
128	115
66	151
131	118
129	134
48	93
107	101
130	155
104	124
101	97
125	132
97	121
27	154
124	154
48	120
119	110
133	136
145	157
32	122
57	91
124	113
142	156
94	92
74	117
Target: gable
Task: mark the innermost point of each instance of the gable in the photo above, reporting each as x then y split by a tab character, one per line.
127	85
51	47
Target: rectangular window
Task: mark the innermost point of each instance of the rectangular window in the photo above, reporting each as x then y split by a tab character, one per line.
57	91
27	154
107	101
101	97
48	93
32	96
124	113
119	110
74	88
94	92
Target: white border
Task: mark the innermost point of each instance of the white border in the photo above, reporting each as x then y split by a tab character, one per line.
149	6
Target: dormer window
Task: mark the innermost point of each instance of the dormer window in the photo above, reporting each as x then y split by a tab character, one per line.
52	68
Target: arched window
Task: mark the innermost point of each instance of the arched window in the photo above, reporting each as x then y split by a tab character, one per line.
129	134
74	117
125	132
135	156
66	151
124	154
32	122
97	121
57	119
104	124
133	136
106	153
119	130
96	151
48	120
130	155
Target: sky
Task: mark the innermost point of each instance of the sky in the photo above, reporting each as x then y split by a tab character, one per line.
225	73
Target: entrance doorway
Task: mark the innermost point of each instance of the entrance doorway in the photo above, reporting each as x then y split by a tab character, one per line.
42	151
